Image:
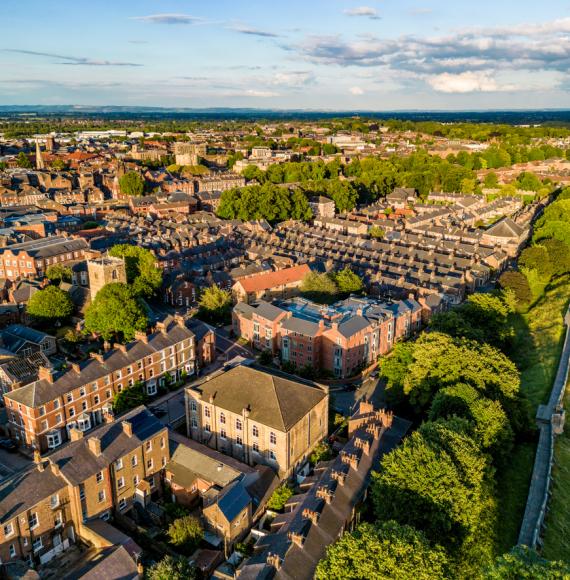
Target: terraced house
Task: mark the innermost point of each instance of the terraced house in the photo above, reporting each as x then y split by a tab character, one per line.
44	510
42	413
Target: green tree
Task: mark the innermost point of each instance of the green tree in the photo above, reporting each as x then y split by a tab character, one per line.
115	313
59	164
558	256
537	258
319	287
491	180
348	282
58	273
142	272
186	532
522	563
130	397
322	452
50	305
170	568
394	369
280	497
518	283
22	160
376	232
132	183
215	303
388	550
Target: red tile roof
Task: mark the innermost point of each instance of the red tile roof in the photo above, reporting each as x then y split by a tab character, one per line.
269	280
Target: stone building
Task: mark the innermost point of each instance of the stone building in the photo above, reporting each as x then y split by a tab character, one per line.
104	271
259	417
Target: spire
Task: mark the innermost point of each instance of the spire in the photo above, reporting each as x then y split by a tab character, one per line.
39	159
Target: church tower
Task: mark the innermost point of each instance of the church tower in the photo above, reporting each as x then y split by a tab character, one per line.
39	159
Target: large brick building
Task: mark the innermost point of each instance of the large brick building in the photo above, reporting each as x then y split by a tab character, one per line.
341	339
44	510
32	259
259	417
42	413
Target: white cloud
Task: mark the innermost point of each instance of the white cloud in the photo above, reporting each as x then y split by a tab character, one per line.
365	11
466	82
168	18
356	91
261	94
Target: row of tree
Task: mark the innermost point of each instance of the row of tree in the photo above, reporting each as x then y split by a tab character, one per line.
433	498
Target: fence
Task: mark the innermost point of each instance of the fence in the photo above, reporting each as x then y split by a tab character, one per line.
550	421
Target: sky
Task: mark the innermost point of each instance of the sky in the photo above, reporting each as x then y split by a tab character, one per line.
380	55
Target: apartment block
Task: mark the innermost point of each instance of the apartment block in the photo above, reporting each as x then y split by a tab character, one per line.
42	413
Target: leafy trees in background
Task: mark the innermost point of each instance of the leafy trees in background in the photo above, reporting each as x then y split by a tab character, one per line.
186	532
142	272
23	161
516	282
50	305
522	563
215	304
386	550
57	273
132	183
116	313
170	568
347	281
319	287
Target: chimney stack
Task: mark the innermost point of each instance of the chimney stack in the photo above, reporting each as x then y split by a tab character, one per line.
127	428
45	373
55	469
94	444
75	434
76	368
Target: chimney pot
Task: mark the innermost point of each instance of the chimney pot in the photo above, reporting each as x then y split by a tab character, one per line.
75	434
127	428
94	444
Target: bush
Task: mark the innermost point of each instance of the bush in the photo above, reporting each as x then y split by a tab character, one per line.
322	452
186	532
279	497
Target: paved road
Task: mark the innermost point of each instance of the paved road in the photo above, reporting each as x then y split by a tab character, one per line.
11	463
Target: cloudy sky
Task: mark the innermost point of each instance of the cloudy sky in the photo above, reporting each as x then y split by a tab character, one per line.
318	54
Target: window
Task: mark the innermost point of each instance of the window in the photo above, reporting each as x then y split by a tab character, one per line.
207	412
272	438
8	530
193	422
150	464
119	464
12	551
71	412
44	425
42	411
207	428
108	394
84	406
255	447
162	443
121	482
134	461
82	493
136	480
70	397
96	399
223	433
272	455
122	504
148	446
58	419
99	477
239	441
94	387
163	462
54	501
222	418
56	404
37	544
82	392
58	520
101	496
193	406
255	431
33	520
239	424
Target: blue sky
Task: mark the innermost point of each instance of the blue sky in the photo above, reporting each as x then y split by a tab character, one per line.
317	54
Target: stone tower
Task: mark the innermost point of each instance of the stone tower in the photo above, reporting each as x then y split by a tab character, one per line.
107	270
39	159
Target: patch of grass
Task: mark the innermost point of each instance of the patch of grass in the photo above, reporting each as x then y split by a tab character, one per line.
539	336
557	535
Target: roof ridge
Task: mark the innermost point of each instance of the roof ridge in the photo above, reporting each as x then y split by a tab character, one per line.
278	401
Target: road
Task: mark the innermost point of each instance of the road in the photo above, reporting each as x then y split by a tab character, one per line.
372	388
11	463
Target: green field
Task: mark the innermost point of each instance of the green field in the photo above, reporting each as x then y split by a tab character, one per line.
538	343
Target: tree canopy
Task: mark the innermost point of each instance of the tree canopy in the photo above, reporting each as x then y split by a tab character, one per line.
132	183
348	282
50	305
116	313
387	550
58	273
215	303
170	568
522	563
142	272
186	532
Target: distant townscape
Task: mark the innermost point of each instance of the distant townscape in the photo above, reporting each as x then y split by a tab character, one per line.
291	348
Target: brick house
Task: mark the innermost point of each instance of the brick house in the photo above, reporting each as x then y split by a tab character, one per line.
258	417
259	324
42	413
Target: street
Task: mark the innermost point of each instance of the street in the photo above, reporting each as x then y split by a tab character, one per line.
11	463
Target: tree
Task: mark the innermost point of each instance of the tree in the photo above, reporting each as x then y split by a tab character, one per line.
59	164
558	255
142	272
50	305
322	452
132	183
394	369
491	180
376	232
170	568
348	282
537	258
116	312
518	283
22	160
186	532
522	563
279	497
319	287
215	303
58	273
387	550
130	397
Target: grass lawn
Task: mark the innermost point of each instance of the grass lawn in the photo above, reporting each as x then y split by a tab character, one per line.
538	343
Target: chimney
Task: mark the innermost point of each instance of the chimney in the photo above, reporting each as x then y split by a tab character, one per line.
296	538
311	515
179	320
45	373
127	428
121	347
106	346
94	444
161	327
75	434
97	356
37	457
141	336
325	493
55	469
76	368
244	412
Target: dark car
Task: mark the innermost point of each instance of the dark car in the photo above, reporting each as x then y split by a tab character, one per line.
8	445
